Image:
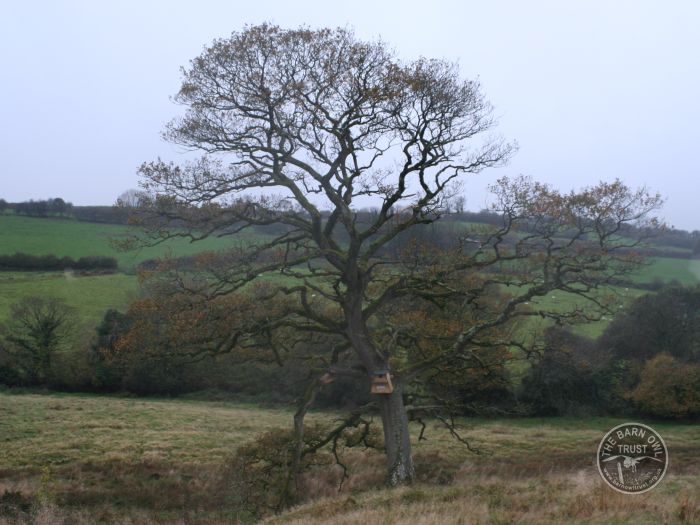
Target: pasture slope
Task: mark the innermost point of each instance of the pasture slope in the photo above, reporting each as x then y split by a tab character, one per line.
91	295
97	459
67	237
78	459
94	294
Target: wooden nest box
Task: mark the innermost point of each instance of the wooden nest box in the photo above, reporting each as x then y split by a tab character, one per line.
381	382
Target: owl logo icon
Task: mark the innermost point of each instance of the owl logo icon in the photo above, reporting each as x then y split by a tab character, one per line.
632	458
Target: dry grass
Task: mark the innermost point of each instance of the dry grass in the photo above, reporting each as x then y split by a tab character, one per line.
57	430
535	472
90	459
122	458
575	497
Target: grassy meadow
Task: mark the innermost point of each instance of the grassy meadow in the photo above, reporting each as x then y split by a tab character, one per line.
685	271
96	459
79	459
560	301
93	294
67	237
90	295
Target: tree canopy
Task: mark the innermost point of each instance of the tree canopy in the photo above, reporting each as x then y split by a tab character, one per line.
302	129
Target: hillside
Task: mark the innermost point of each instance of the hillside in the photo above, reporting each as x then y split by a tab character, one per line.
90	295
121	460
93	295
67	237
667	269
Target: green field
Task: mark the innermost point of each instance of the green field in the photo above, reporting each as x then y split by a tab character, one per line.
118	460
90	295
93	295
685	271
64	237
89	459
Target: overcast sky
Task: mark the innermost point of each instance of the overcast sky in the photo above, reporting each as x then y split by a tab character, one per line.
591	90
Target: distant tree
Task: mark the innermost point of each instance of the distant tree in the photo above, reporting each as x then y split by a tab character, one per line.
113	370
664	322
696	242
57	206
107	372
668	388
573	376
130	198
311	115
39	208
3	205
32	208
102	214
37	328
21	208
459	203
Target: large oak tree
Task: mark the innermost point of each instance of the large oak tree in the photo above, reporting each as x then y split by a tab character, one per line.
300	130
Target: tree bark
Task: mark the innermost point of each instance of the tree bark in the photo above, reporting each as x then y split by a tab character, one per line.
396	438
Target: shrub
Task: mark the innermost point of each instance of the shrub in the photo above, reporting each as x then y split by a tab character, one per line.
668	388
258	478
574	377
14	505
37	330
25	262
668	321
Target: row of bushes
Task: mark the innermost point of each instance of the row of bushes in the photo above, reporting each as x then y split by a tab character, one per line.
564	383
647	362
58	208
102	214
25	262
36	353
42	208
39	348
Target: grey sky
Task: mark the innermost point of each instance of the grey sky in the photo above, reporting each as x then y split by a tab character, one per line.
591	90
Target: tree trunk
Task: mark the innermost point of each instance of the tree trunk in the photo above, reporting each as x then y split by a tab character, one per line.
396	438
